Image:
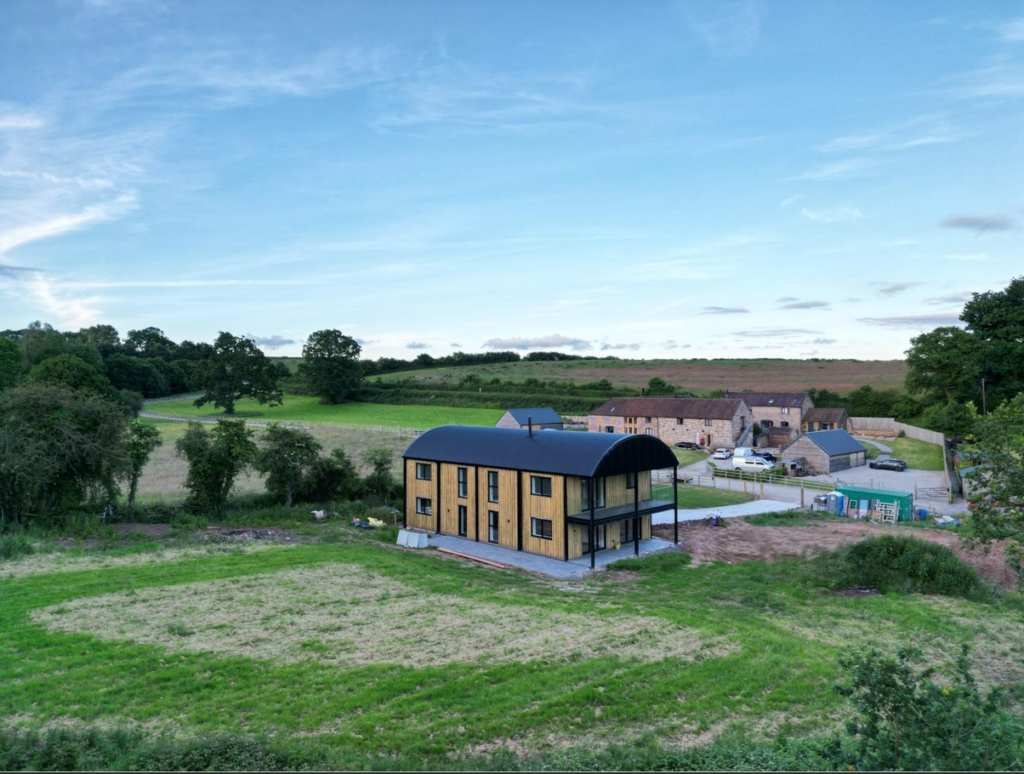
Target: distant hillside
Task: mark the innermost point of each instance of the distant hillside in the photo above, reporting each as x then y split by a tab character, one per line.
695	375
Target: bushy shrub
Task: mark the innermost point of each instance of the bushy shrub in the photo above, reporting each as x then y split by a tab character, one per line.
14	545
910	565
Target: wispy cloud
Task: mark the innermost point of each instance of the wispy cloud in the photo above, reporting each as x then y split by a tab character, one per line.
540	342
270	342
967	257
455	344
836	170
767	333
823	341
13	117
952	298
60	224
978	223
727	27
912	321
833	214
416	345
724	310
897	287
924	130
791	200
1012	31
1000	81
806	305
673	344
784	299
69	311
606	347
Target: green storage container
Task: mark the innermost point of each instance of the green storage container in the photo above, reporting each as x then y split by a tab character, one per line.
854	494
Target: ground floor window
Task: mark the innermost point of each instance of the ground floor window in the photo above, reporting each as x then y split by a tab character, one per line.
492	526
463	521
626	532
540	528
423	505
599	538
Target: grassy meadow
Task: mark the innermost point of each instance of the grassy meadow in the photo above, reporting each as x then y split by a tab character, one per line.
304	408
399	657
765	374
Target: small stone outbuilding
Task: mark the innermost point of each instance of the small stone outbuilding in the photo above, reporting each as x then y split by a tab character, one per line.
827	451
826	419
542	419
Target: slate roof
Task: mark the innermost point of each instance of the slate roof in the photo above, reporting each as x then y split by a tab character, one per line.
568	453
772	399
541	416
835	442
685	408
825	415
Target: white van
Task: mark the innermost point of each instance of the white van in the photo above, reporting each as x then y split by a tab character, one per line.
753	464
743	451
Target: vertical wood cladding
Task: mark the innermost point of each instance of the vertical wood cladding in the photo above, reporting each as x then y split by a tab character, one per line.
550	508
452	501
421	488
508	498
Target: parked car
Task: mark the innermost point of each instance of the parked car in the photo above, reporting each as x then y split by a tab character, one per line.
754	464
687	445
721	454
768	456
888	463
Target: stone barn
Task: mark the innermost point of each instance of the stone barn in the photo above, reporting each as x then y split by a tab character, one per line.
542	418
827	451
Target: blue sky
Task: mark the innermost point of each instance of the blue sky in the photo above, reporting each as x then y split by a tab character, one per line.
647	179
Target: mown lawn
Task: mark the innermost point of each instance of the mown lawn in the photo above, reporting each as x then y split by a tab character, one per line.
701	496
917	454
766	643
689	456
303	408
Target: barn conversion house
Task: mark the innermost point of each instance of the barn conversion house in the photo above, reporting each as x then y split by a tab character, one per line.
540	418
826	451
562	495
704	421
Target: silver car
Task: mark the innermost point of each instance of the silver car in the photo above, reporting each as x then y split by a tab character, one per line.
721	454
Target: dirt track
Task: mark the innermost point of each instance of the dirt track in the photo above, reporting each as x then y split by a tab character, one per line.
742	542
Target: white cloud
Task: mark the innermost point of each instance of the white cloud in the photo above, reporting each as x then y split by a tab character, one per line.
60	224
833	214
540	342
1003	80
1013	30
837	170
968	257
791	200
13	118
70	312
727	27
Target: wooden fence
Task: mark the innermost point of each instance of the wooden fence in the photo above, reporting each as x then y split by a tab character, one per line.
408	432
878	424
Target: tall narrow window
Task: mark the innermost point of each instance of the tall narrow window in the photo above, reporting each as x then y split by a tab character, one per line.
463	485
492	526
707	423
423	471
492	486
631	481
463	521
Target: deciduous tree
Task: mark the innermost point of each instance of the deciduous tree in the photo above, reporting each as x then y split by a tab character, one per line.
72	372
215	458
11	369
330	365
238	369
141	441
287	457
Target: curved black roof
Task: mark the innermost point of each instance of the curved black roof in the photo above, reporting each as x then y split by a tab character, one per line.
568	453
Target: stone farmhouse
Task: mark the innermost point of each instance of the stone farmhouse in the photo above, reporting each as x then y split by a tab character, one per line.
777	409
709	422
826	419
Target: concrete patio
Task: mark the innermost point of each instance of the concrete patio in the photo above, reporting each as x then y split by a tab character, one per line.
555	568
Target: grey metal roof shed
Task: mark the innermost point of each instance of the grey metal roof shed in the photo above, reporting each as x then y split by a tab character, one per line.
539	416
834	442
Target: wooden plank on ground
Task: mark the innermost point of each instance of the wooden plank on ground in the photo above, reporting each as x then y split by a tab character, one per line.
488	562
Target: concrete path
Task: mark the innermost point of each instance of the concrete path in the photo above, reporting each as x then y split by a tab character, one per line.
555	568
880	446
752	508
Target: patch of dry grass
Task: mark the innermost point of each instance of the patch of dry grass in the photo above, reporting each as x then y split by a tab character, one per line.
65	561
341	614
164	474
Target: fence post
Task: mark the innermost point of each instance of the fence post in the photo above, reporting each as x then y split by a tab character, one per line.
801	494
762	490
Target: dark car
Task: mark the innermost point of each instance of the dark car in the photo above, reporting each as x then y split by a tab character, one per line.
767	456
888	463
687	445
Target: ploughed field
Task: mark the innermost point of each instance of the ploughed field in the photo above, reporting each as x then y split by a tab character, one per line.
375	650
766	375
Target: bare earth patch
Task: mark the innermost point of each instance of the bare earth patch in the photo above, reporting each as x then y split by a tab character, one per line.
61	561
742	542
343	615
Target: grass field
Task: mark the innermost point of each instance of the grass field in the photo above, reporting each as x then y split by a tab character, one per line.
700	496
689	456
917	454
698	375
302	408
163	477
376	651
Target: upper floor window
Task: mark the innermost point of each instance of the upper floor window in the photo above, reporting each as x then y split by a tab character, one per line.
707	423
785	410
423	471
647	419
463	485
631	481
540	485
492	486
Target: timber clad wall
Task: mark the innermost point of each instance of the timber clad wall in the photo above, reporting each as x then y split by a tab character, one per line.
614	532
508	500
551	508
419	488
818	461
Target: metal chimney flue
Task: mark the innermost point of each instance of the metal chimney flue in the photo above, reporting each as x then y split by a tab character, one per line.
529	425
